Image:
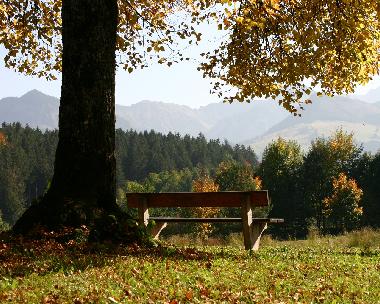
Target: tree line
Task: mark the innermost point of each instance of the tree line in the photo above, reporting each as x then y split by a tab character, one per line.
332	187
27	160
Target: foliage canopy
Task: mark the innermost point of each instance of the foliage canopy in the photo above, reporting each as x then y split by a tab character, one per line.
281	49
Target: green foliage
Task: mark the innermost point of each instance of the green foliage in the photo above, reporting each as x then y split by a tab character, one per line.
132	186
369	180
297	184
146	161
140	154
26	165
3	225
280	168
326	159
234	176
171	181
280	158
166	181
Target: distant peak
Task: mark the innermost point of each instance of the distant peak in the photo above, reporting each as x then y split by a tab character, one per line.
38	96
33	93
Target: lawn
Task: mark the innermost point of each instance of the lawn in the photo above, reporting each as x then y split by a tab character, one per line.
331	269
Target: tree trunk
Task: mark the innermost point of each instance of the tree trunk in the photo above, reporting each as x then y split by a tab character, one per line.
83	186
85	164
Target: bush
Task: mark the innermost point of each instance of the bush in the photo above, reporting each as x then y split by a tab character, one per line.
341	209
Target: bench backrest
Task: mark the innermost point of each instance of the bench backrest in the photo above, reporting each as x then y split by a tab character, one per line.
198	199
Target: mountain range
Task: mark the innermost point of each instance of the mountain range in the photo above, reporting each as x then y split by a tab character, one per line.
255	124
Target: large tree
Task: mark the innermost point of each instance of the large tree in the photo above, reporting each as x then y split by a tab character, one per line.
270	48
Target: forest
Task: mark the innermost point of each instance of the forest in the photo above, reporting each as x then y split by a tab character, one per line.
27	161
331	188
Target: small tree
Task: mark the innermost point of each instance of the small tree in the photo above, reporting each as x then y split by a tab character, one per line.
324	161
205	184
341	209
234	176
280	167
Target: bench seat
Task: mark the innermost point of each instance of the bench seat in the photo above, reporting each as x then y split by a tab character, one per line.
245	200
213	220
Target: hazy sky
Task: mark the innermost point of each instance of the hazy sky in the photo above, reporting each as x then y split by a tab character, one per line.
181	84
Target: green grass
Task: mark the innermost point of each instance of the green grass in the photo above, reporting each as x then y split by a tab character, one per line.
319	270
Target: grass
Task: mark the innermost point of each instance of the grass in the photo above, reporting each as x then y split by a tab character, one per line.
341	269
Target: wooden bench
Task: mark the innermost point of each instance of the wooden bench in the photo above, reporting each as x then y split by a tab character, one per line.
252	227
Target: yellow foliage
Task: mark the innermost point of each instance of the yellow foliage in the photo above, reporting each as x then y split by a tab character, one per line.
258	182
3	139
275	45
205	184
342	142
342	207
343	185
271	46
30	32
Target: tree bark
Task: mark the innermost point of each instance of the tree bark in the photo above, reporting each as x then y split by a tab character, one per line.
85	159
84	181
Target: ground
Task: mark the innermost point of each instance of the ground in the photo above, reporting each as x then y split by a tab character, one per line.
65	270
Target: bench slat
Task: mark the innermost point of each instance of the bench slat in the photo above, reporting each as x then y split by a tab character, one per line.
195	219
198	199
213	220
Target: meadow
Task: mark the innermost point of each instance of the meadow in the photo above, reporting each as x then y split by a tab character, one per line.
342	269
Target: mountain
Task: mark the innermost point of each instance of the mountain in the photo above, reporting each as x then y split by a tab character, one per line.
234	122
161	117
246	120
371	96
322	118
255	124
334	109
33	108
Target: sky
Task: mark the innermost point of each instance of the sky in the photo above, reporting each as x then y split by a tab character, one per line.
180	84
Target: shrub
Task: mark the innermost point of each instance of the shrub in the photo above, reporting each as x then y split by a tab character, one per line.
341	210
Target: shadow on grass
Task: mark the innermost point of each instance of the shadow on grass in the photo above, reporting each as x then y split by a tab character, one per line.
21	257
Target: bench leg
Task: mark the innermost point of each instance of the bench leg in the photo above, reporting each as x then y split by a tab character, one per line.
143	212
258	229
156	230
246	215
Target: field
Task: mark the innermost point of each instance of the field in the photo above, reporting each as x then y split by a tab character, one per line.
341	269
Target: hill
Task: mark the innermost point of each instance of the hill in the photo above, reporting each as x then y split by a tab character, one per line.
371	96
322	118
